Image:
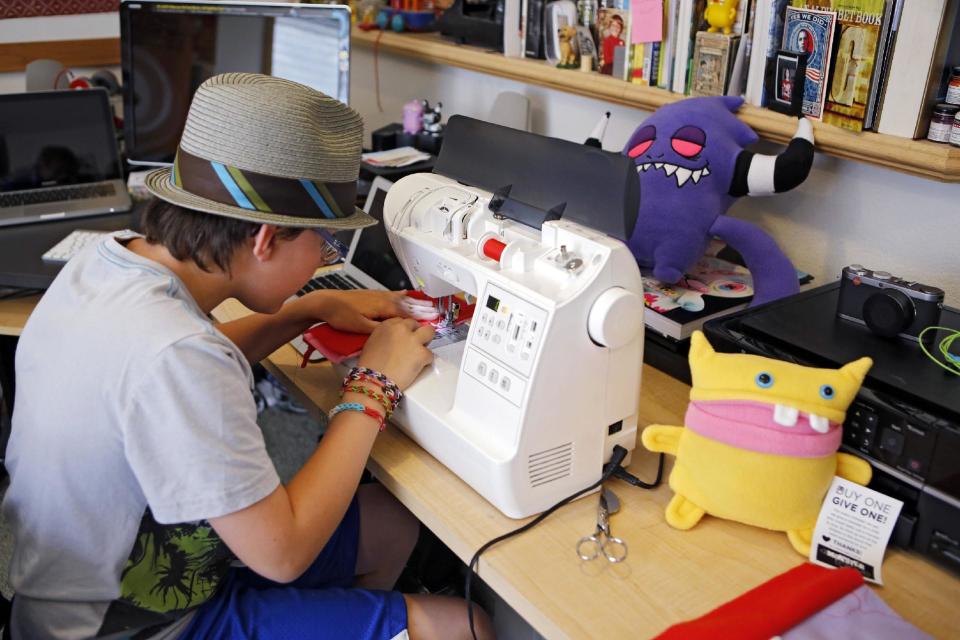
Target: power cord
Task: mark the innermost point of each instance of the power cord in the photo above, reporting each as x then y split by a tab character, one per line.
611	469
952	361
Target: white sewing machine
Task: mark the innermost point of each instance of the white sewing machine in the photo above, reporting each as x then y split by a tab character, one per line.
528	407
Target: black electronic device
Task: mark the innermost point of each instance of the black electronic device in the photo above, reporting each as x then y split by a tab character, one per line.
169	47
890	306
474	22
905	420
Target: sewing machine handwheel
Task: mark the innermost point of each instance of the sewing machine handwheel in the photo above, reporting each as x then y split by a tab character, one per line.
615	318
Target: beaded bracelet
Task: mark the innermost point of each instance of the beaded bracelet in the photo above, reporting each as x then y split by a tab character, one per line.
356	406
379	397
389	386
389	391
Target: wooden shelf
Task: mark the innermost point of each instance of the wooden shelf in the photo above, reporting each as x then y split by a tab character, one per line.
918	157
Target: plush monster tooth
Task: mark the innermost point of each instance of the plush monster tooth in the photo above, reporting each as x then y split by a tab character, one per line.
669	169
646	166
706	171
696	176
658	165
683	175
785	416
820	424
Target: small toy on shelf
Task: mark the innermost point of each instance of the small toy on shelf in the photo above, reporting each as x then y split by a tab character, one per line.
367	12
430	118
413	116
760	441
721	15
568	47
407	15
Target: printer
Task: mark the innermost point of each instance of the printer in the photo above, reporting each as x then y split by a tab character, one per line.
528	402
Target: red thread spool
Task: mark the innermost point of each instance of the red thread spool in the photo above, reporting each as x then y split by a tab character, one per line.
493	249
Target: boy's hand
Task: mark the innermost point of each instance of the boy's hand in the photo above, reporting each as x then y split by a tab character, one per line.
357	310
396	349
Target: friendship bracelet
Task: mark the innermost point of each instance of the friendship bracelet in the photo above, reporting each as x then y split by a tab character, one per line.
379	397
388	391
388	384
356	406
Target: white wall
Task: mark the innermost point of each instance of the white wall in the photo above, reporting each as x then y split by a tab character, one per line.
846	211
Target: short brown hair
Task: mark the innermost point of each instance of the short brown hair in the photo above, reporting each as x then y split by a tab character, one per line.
200	237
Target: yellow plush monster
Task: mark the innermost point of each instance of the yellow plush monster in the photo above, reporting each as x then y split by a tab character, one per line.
721	14
760	442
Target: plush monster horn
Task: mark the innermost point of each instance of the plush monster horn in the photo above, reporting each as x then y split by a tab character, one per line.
760	175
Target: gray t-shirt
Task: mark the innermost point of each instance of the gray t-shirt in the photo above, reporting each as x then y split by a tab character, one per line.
133	424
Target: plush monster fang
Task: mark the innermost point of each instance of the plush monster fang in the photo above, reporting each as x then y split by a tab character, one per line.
682	208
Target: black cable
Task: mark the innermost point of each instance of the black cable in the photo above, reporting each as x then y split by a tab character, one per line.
612	468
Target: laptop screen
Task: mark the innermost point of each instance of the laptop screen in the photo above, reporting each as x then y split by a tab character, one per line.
56	138
373	254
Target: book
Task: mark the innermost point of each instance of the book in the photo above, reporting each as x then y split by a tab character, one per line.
860	25
533	30
513	37
876	100
715	286
811	31
689	20
712	58
880	63
919	53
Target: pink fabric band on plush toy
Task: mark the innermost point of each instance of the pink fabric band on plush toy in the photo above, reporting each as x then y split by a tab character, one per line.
750	425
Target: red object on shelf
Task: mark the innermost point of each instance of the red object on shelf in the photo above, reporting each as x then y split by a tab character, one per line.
493	249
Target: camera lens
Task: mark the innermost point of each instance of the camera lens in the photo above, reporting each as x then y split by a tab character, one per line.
888	312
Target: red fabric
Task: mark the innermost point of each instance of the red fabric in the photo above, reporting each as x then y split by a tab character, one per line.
772	608
337	346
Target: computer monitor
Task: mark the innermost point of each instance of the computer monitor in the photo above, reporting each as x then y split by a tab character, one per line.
170	48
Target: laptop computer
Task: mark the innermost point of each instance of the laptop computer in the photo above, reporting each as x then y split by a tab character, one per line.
370	262
59	157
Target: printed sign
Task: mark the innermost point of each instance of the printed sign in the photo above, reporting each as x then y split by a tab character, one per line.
853	528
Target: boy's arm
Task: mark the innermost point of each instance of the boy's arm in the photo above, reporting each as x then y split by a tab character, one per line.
281	535
260	334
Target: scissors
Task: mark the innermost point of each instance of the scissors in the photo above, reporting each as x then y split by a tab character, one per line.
601	542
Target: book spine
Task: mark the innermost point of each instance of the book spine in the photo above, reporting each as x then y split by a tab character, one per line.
879	65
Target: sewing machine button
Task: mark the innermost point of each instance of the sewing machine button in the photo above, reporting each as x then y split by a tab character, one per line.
505	383
524	356
494	376
482	368
511	348
501	324
496	338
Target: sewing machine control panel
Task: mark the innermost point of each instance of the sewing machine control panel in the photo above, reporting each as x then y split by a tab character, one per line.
508	329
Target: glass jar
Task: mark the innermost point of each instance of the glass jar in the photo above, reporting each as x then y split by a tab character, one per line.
953	88
941	123
955	133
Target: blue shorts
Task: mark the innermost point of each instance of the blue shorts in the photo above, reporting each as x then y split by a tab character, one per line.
318	605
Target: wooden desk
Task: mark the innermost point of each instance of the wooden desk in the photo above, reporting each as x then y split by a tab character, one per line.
669	576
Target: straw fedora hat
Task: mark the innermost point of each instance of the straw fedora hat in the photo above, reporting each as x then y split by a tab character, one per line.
267	150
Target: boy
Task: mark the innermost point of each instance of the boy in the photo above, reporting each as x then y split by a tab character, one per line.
138	472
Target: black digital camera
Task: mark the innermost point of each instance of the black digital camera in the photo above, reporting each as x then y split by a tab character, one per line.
889	306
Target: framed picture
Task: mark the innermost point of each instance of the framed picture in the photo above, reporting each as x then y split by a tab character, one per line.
786	76
711	64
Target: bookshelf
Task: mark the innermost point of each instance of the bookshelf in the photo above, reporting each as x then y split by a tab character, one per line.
918	157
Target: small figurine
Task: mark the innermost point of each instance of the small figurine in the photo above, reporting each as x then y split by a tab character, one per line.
413	116
568	47
431	118
721	14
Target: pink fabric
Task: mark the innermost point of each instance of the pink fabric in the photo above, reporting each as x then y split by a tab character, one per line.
749	425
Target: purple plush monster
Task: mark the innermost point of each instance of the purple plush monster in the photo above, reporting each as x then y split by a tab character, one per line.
692	165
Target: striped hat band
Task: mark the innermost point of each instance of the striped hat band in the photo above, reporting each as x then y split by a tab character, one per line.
260	192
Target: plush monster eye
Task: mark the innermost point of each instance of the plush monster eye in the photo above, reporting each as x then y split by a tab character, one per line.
827	392
643	138
689	141
764	380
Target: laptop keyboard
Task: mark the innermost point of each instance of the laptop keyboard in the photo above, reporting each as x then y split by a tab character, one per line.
58	194
330	281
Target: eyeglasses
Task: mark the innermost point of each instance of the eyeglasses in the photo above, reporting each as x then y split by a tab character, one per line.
333	249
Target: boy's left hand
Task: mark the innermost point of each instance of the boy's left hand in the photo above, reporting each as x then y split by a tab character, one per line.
357	310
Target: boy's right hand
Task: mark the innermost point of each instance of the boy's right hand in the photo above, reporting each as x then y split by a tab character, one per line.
396	348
